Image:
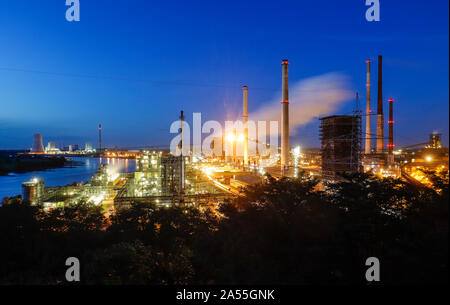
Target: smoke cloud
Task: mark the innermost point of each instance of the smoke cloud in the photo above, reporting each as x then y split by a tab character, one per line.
309	98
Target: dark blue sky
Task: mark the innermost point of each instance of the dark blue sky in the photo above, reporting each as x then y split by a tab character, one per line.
150	59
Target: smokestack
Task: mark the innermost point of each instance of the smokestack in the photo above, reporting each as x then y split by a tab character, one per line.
368	137
380	120
181	160
245	122
284	118
391	127
100	137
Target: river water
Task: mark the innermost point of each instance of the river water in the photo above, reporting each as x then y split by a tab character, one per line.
12	185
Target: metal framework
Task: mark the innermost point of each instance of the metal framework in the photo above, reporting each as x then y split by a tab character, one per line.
341	145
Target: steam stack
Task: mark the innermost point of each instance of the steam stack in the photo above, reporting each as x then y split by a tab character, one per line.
391	127
245	122
380	119
285	118
100	137
368	137
181	159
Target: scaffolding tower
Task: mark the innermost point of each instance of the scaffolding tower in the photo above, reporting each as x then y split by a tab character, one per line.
341	145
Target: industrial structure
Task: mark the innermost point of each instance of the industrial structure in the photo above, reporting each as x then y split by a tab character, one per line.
391	132
340	137
245	122
52	149
379	161
38	147
166	179
33	191
368	136
435	140
181	163
100	138
285	117
380	118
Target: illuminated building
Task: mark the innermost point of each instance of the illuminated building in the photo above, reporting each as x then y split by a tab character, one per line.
435	140
51	148
158	179
33	191
88	148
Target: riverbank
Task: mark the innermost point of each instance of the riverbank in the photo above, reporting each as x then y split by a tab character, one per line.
22	163
80	170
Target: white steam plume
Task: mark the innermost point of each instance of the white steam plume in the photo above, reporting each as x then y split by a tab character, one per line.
308	98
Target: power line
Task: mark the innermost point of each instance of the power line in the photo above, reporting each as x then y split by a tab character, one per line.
115	78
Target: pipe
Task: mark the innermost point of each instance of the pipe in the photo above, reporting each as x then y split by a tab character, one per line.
284	118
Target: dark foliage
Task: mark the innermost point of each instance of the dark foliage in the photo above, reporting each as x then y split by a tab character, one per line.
287	231
16	163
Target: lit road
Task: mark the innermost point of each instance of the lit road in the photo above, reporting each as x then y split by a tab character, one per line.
226	188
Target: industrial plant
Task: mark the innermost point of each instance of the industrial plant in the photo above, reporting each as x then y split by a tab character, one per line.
188	178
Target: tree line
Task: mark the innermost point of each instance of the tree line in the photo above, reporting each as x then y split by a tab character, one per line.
286	231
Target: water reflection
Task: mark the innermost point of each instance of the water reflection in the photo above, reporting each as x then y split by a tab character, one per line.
12	185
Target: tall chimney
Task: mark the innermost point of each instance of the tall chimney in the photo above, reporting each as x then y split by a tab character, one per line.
380	120
285	118
245	122
368	137
100	138
181	190
391	127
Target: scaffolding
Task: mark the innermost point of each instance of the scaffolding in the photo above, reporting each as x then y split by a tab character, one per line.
341	145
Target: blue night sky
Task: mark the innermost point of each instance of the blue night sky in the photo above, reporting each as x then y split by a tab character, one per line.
133	65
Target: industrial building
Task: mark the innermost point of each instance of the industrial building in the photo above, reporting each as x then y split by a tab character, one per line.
340	149
33	191
51	148
38	147
164	179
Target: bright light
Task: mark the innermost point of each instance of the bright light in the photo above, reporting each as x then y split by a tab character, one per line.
113	176
262	171
96	199
231	137
429	158
297	151
241	138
